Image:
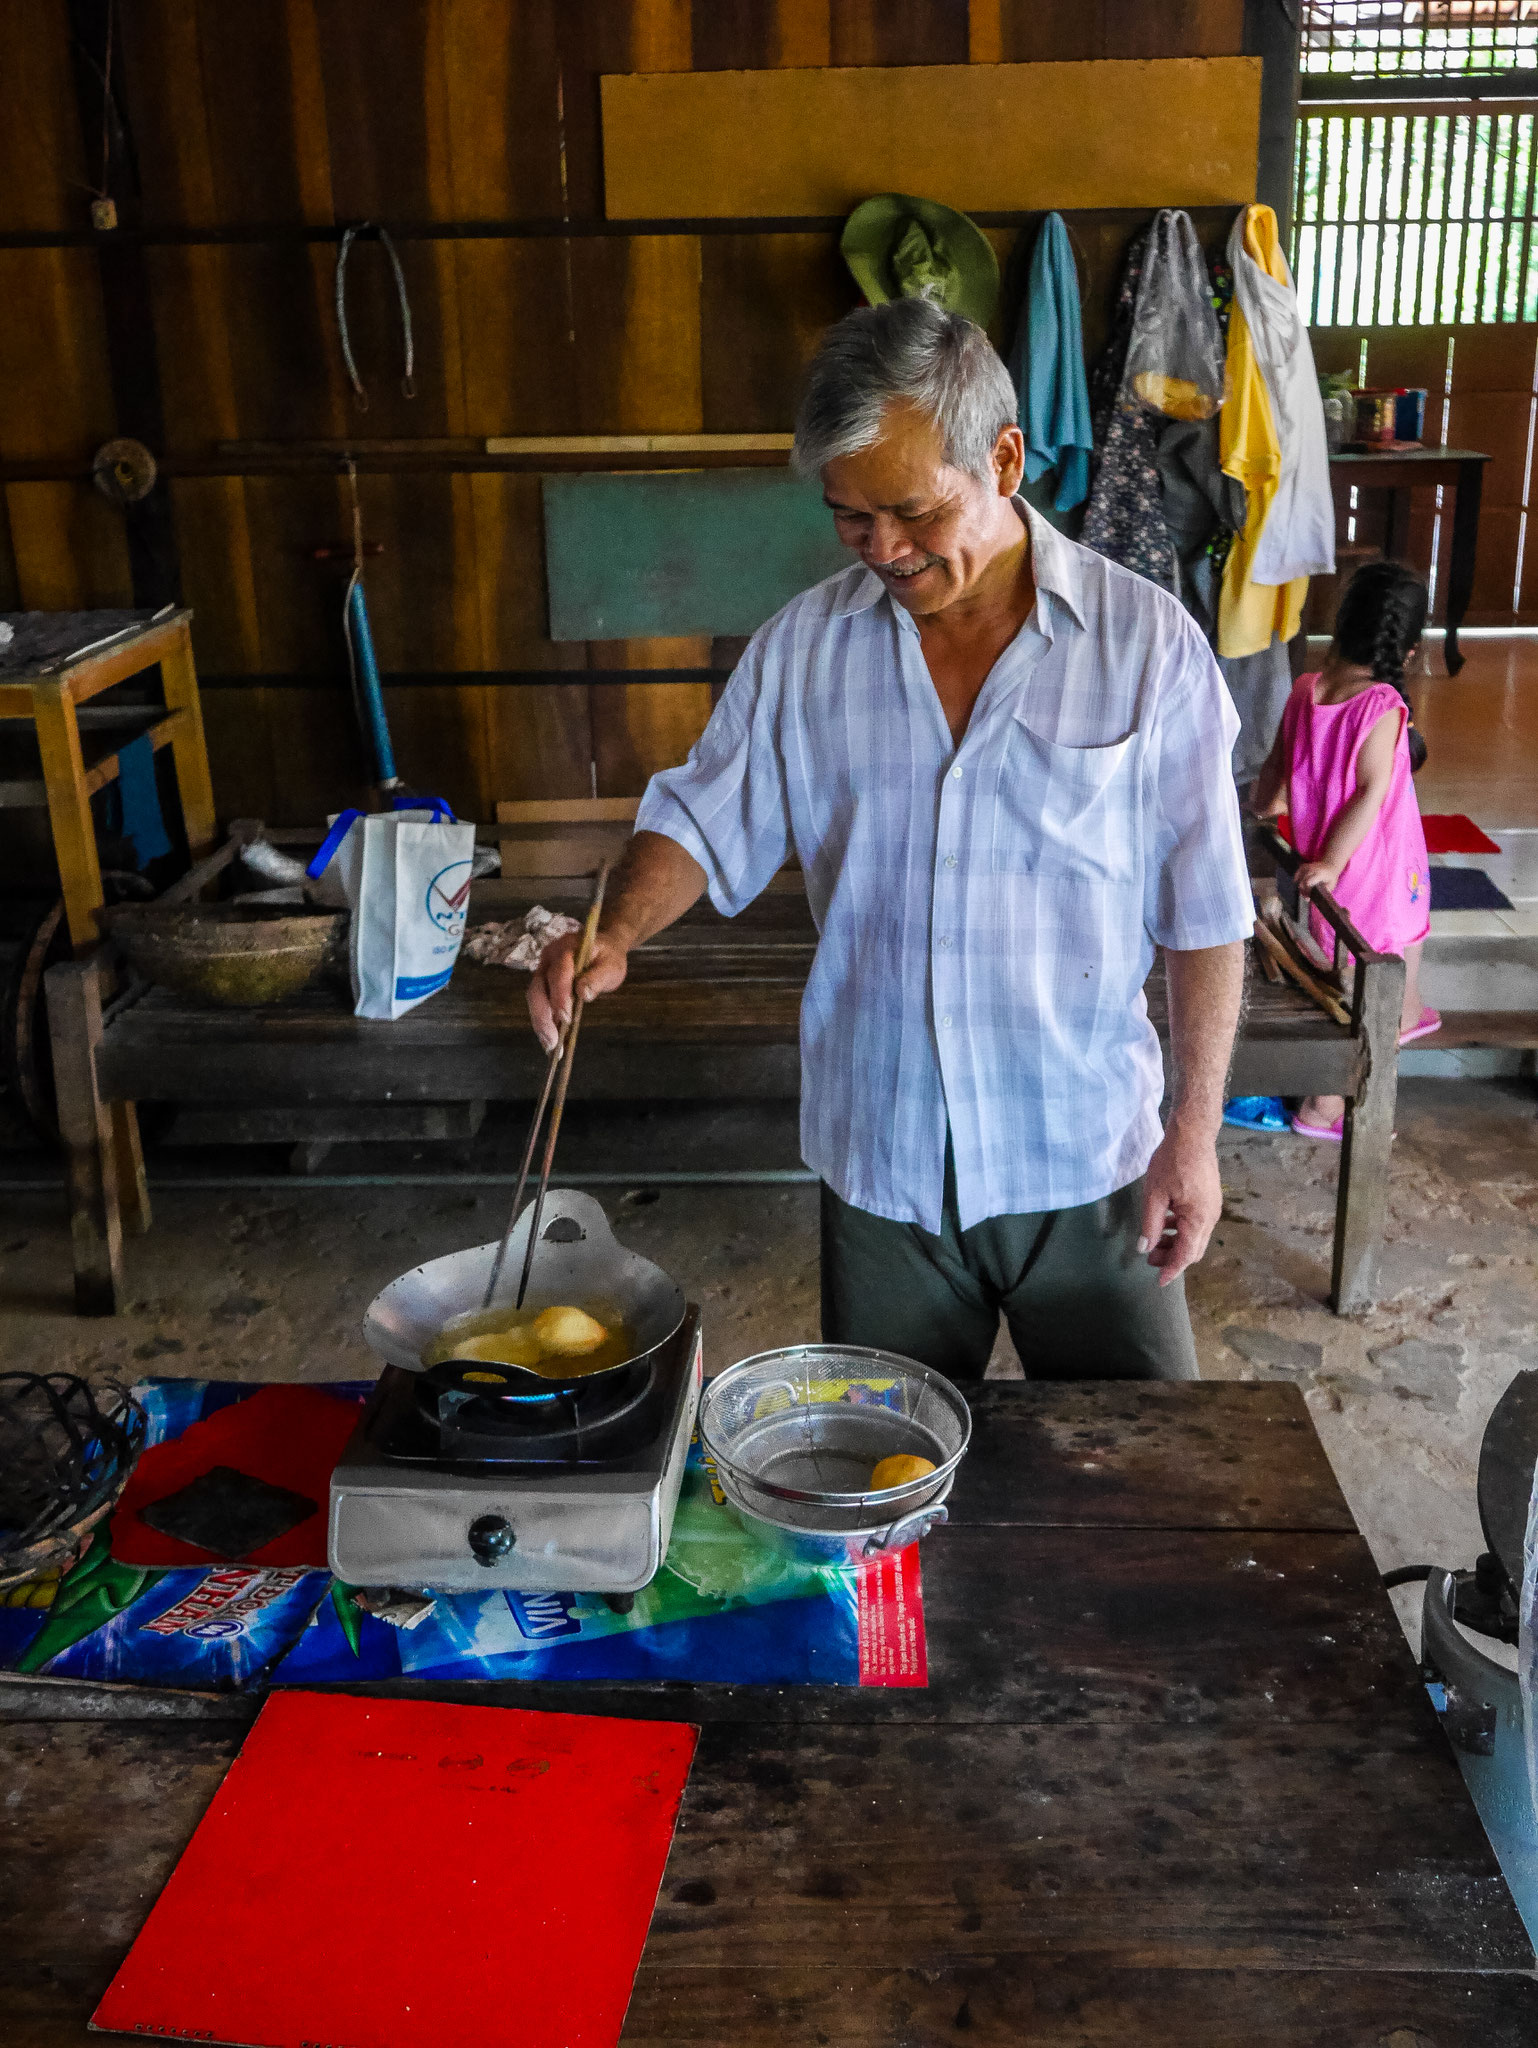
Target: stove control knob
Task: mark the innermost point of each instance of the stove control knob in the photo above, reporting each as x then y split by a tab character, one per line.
491	1538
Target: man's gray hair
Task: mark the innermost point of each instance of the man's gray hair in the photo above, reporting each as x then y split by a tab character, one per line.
909	350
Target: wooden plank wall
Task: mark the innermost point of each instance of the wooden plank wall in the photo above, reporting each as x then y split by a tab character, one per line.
1480	383
261	127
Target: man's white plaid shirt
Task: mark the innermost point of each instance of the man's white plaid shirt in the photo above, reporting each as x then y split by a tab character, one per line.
988	913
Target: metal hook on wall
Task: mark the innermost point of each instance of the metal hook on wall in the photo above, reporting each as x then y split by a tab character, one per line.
408	380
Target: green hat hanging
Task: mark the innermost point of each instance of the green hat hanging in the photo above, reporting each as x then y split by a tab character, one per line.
902	248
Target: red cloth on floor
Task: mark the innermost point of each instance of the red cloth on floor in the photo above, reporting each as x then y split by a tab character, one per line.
289	1436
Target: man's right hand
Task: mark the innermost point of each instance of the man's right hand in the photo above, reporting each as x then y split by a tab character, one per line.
550	990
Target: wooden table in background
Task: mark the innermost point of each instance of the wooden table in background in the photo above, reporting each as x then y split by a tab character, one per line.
50	672
1400	471
89	653
1174	1783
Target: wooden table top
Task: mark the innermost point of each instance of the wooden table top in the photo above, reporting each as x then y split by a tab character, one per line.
1174	1780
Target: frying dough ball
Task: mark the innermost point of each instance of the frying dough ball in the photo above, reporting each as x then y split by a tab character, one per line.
567	1332
899	1471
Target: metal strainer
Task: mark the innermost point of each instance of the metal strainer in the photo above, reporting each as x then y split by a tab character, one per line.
796	1434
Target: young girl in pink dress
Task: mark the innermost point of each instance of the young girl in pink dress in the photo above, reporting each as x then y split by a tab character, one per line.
1341	769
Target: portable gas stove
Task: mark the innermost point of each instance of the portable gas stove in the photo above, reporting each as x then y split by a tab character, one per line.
463	1477
453	1489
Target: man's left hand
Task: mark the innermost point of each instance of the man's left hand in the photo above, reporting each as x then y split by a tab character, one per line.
1182	1201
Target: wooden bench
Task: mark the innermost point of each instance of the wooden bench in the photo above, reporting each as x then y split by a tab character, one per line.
710	1011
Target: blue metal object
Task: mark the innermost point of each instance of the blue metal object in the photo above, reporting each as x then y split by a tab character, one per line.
370	696
1479	1703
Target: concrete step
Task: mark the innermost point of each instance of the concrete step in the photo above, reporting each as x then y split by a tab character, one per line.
1480	972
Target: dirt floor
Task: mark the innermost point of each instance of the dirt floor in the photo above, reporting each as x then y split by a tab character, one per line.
271	1280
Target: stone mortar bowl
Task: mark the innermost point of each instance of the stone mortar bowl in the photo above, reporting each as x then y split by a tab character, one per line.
231	954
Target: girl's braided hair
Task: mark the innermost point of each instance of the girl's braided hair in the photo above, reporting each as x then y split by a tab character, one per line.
1378	626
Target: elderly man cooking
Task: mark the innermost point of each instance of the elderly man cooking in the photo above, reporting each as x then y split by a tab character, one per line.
1003	763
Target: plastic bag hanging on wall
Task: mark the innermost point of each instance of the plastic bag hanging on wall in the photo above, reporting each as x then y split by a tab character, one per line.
1176	363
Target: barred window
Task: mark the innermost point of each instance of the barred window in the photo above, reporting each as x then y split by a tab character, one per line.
1415	219
1432	39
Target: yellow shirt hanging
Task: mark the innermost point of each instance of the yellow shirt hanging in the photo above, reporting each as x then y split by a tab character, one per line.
1249	613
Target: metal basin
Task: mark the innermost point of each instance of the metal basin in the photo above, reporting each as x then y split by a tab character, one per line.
796	1434
578	1259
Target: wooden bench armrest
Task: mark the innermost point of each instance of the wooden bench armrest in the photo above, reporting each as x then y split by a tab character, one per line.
1290	860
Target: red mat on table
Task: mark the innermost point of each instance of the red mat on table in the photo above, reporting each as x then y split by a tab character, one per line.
1446	832
289	1436
388	1873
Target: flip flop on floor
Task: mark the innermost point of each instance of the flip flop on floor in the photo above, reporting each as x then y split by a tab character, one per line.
1333	1134
1255	1113
1429	1021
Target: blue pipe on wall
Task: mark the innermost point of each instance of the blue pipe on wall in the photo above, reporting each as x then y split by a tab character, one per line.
368	688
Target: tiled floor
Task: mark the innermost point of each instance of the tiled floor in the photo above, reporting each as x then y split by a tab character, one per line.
1481	732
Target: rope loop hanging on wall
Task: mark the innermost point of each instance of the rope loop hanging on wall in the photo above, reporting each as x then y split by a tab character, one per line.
408	380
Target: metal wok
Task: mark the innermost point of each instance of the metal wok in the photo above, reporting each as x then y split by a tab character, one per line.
577	1260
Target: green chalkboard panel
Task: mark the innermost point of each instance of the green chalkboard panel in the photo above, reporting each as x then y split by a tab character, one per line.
650	555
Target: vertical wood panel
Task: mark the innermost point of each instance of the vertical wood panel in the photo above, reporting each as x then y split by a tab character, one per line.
985	32
618	351
55	388
1052	31
1186	28
641	727
764	301
424	608
656	376
539	737
751	35
215	548
898	31
43	172
590	40
502	67
661	35
70	548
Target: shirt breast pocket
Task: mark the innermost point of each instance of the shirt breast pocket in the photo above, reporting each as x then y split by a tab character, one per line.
1069	813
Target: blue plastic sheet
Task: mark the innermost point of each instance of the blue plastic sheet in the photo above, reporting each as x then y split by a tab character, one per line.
723	1608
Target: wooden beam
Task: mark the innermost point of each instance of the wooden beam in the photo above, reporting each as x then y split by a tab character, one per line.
160	734
1361	1203
69	807
94	673
179	679
242	832
639	444
86	1126
569	810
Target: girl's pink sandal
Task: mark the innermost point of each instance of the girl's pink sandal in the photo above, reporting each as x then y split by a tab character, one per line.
1333	1134
1430	1020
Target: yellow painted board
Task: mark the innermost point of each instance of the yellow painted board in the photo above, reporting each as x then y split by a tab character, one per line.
988	138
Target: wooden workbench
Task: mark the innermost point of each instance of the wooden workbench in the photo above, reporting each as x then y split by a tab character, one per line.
709	1012
1174	1783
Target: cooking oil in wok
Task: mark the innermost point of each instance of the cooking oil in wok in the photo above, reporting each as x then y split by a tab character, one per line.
559	1343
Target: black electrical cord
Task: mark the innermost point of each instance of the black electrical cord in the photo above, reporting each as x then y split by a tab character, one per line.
1408	1575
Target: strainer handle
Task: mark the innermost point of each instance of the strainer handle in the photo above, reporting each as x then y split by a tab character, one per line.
904	1532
